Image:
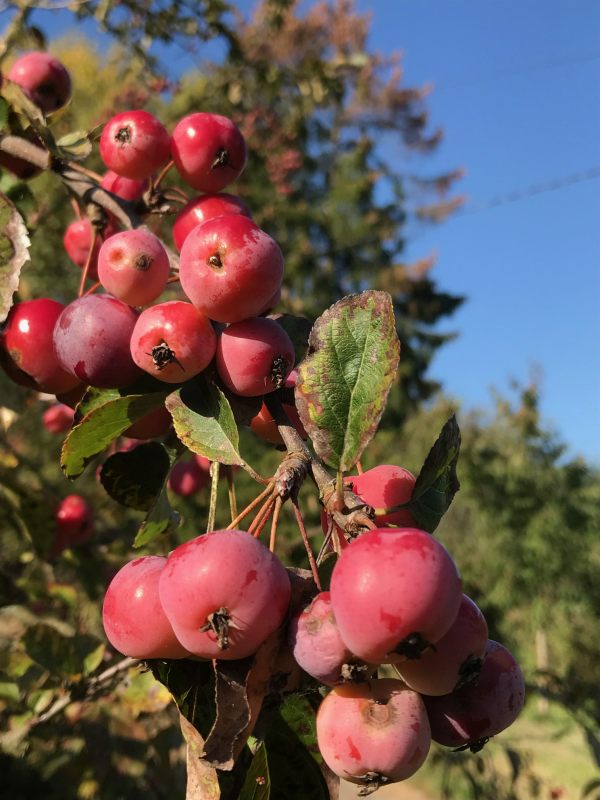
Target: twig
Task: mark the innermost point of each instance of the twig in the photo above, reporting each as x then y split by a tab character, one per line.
274	523
309	552
250	507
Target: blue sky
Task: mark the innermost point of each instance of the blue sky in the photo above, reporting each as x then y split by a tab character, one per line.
516	88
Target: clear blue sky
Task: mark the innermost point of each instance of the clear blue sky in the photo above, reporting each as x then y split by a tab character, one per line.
517	92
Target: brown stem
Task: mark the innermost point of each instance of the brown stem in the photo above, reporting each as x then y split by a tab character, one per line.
93	288
161	176
261	518
250	507
309	552
21	148
274	523
88	262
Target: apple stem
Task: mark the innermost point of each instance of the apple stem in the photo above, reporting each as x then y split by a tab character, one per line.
214	489
274	523
88	262
309	552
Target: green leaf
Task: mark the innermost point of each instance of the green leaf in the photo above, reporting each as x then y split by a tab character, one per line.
161	519
4	111
75	146
192	684
300	716
344	381
22	104
294	773
438	482
70	656
326	569
204	422
135	478
14	252
93	398
101	426
257	785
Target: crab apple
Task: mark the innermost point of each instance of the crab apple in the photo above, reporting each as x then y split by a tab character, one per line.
133	266
395	591
265	427
373	734
187	479
27	340
43	78
202	208
457	657
134	144
209	151
91	341
224	594
130	604
125	188
472	714
317	645
254	356
230	268
58	418
385	486
77	241
173	341
74	522
154	424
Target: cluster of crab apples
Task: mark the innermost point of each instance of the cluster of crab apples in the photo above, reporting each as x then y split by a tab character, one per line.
395	607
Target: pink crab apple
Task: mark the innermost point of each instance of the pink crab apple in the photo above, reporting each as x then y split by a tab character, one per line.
254	356
134	144
472	714
133	266
187	478
27	342
91	341
373	734
58	418
209	151
395	592
43	78
74	522
318	648
230	268
224	593
133	618
205	207
457	657
173	341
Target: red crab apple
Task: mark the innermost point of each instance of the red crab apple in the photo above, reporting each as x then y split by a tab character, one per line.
224	594
27	342
385	486
173	341
126	188
457	657
58	418
187	478
209	151
134	144
91	341
265	427
203	208
484	708
74	521
77	241
43	78
133	265
254	356
133	618
230	268
395	591
373	734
